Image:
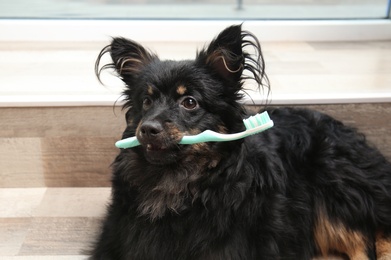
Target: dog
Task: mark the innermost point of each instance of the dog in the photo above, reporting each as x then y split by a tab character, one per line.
310	186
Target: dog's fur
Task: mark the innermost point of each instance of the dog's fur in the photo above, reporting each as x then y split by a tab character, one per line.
308	186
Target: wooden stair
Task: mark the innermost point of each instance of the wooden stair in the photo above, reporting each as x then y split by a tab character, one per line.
74	146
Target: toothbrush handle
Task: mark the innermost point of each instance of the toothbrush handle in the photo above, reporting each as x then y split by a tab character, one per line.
192	139
127	143
206	136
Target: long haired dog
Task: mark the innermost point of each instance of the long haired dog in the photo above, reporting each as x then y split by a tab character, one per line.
309	186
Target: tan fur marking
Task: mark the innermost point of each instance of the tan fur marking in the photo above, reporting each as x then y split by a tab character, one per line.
222	129
181	90
205	155
138	128
133	67
219	55
130	121
383	247
335	237
174	132
232	71
202	151
150	90
194	131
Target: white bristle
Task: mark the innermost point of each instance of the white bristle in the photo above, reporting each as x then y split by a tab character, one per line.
256	120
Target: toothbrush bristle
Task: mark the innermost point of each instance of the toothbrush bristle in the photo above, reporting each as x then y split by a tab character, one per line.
256	120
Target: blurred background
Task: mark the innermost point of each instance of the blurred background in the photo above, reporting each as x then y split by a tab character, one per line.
195	9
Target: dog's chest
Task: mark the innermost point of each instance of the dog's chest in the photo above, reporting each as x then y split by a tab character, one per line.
171	193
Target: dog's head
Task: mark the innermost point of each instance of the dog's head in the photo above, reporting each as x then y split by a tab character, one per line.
169	99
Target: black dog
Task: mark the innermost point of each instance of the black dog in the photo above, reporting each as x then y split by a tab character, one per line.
308	186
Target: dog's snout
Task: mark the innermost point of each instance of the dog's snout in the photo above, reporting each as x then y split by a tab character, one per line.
151	129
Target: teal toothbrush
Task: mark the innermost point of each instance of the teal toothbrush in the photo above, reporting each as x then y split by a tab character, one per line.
254	124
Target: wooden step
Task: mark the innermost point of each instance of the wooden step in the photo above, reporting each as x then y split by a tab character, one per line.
74	146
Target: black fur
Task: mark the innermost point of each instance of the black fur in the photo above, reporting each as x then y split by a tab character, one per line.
308	186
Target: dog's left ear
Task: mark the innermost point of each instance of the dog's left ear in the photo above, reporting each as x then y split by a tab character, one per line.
128	56
224	54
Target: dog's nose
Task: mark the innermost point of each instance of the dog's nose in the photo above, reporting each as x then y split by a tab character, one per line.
150	129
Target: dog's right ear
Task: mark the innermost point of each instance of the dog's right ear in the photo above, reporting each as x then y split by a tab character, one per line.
224	54
129	58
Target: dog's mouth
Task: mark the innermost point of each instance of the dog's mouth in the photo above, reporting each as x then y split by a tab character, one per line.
160	142
160	153
155	148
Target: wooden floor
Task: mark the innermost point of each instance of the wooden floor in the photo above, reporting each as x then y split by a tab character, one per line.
55	161
299	71
49	222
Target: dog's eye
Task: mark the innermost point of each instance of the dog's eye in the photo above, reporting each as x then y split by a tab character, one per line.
147	102
189	103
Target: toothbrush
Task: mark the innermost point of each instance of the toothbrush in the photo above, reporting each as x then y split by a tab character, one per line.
254	124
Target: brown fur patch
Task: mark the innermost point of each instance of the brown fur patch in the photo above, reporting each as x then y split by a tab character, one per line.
202	151
194	131
173	132
220	60
129	120
335	237
169	194
127	64
383	246
138	128
205	155
150	90
222	129
181	90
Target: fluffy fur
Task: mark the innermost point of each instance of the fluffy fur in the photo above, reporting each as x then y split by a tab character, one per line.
309	186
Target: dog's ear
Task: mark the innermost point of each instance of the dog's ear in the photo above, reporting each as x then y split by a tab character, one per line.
227	55
224	54
129	57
